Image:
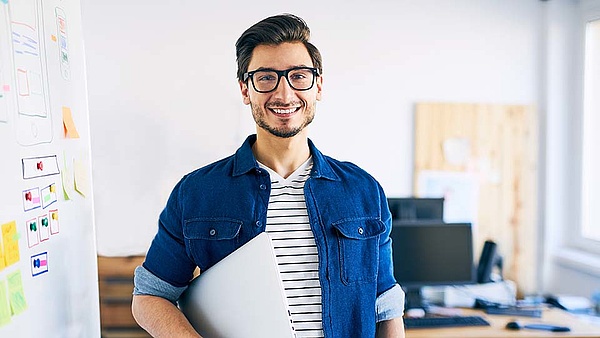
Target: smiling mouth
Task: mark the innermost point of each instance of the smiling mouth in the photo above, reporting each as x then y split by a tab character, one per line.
284	112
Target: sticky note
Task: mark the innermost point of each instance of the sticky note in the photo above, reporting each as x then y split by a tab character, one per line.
67	180
68	124
16	295
2	260
4	304
10	241
81	177
65	193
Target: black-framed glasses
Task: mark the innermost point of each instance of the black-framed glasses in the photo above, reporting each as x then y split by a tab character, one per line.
266	80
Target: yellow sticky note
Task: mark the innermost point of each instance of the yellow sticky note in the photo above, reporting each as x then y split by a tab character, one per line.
4	305
16	295
8	229
69	124
10	241
2	260
81	177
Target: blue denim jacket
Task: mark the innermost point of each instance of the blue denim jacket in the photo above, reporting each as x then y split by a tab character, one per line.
216	209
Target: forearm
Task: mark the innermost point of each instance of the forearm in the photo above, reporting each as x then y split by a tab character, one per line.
160	318
393	328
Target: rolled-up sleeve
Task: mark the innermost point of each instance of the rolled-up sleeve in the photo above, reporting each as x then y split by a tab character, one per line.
146	283
390	304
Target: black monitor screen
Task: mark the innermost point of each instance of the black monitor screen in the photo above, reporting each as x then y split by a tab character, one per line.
413	208
431	253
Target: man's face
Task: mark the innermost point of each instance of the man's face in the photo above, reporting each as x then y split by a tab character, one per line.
283	112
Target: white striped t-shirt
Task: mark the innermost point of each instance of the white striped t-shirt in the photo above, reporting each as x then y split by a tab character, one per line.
295	249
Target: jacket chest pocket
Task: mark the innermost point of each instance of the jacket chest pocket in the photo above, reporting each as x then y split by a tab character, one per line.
211	239
358	243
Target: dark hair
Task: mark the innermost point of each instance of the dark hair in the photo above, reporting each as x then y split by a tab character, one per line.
274	30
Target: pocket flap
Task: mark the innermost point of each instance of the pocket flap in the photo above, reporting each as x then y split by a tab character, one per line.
211	228
360	229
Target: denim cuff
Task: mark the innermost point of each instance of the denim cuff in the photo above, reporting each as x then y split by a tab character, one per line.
146	283
390	304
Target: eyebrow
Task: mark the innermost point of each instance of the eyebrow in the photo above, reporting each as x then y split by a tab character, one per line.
268	68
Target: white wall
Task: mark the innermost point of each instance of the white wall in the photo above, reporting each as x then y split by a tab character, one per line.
164	100
561	66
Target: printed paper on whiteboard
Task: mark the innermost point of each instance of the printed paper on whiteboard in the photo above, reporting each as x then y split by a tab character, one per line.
460	191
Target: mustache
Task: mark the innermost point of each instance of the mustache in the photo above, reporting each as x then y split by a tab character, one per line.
281	104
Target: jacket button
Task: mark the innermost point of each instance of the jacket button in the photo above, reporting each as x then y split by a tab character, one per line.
258	224
263	187
360	231
212	232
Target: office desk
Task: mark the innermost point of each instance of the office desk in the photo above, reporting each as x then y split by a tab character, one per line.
497	329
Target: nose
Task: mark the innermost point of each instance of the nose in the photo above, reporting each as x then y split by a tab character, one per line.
284	90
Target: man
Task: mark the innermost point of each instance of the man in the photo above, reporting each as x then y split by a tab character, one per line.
280	183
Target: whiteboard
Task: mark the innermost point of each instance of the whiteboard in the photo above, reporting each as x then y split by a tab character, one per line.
48	267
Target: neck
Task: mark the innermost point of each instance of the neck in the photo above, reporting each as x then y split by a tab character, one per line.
283	155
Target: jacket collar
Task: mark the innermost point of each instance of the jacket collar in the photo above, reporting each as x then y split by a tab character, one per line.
244	161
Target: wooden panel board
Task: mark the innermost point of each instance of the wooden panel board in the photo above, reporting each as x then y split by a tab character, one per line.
114	267
502	157
115	276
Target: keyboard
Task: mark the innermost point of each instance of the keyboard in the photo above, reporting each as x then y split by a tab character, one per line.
514	311
435	322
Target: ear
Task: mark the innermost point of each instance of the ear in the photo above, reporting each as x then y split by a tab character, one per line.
319	87
244	90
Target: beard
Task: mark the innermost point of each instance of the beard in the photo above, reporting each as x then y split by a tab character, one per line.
259	115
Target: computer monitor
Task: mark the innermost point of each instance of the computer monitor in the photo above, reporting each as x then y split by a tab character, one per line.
415	208
431	253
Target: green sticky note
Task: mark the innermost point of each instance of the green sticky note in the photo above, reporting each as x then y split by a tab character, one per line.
16	295
4	305
64	176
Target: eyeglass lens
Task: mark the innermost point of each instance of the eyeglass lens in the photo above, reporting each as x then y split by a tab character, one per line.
299	79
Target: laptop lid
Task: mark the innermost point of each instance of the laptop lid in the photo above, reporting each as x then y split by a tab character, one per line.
240	296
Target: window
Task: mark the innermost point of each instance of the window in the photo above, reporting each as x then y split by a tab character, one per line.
590	183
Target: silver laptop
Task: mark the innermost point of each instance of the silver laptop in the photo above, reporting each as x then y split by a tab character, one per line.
240	296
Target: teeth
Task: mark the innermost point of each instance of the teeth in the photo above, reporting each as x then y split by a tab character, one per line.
284	111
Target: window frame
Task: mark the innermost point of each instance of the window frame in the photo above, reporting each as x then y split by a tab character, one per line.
576	238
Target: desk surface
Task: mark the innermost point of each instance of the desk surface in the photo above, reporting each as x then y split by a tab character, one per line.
497	329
